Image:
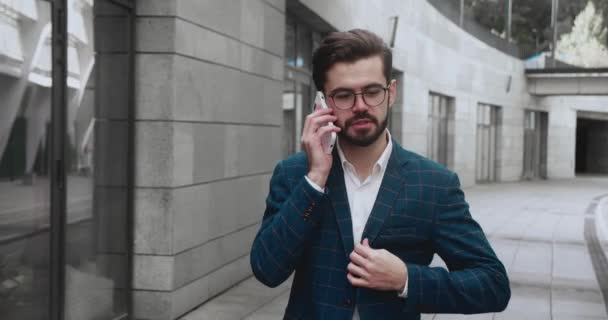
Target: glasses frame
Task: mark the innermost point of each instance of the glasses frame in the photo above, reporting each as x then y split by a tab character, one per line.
355	94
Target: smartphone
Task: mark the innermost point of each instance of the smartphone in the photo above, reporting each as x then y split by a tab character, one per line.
328	141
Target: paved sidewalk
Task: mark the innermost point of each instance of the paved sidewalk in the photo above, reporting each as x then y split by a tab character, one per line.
537	230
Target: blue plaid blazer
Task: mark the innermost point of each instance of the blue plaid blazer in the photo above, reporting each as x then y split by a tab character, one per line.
420	210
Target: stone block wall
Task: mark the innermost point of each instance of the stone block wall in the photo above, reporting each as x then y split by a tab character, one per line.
208	107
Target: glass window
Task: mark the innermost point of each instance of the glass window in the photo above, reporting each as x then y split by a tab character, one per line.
440	133
488	130
304	47
97	249
298	94
25	91
289	116
290	42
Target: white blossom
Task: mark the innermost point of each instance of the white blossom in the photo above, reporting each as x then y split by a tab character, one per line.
585	46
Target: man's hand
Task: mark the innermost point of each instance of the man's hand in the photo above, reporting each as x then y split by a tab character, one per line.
376	269
319	163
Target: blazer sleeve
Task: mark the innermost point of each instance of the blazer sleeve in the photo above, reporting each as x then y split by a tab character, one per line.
476	282
289	220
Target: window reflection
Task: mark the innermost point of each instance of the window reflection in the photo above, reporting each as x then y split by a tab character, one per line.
25	110
96	173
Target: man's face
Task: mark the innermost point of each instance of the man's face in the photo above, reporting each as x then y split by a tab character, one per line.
362	124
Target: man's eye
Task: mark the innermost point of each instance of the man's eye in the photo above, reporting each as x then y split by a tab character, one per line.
373	91
343	95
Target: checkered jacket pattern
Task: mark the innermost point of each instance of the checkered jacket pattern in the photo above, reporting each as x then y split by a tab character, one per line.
420	210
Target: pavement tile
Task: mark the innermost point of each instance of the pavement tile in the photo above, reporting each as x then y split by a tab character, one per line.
482	316
239	301
514	228
506	251
532	264
572	267
570	303
273	310
527	303
543	227
570	229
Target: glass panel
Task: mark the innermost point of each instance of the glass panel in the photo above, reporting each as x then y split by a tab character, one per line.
304	46
306	101
97	176
531	26
288	118
25	111
290	42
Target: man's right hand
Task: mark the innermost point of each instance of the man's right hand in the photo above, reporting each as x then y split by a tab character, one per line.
319	163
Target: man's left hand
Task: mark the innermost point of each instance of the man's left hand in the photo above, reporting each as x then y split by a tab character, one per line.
376	269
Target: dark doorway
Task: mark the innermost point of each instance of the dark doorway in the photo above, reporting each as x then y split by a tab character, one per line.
591	146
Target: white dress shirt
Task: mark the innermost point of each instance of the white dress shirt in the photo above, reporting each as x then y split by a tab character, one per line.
362	194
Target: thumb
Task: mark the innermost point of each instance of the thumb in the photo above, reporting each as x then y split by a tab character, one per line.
366	243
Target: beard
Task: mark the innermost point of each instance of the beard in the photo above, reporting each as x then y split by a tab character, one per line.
365	137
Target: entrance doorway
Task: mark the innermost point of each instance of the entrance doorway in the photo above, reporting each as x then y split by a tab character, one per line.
488	124
591	145
535	145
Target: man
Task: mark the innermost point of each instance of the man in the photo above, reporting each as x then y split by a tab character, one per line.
360	226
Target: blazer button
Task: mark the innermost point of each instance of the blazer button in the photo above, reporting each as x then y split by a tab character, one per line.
348	302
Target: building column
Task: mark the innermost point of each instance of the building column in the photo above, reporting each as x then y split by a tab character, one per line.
208	134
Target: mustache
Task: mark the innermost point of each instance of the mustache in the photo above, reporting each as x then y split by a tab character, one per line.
361	116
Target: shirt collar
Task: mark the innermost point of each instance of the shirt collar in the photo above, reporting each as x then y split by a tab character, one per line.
382	161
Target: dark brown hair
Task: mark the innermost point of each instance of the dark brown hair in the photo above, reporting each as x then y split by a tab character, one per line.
348	46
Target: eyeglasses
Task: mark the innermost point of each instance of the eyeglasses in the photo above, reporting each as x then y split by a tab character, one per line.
372	96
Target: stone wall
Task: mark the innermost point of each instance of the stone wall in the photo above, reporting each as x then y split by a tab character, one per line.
208	107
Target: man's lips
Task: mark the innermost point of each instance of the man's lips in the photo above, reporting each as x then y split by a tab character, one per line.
362	123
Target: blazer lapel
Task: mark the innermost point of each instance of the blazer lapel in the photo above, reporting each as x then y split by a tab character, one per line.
392	183
337	194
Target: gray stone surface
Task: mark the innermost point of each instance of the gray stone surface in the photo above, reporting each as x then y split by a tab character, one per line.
169	35
153	272
172	154
111	152
195	263
187	94
577	304
113	82
572	268
153	221
188	297
209	211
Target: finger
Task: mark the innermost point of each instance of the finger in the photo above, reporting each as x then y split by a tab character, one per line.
357	282
317	112
366	243
364	251
359	260
322	120
357	271
314	121
326	129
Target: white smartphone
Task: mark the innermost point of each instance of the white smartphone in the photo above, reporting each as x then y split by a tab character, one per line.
328	141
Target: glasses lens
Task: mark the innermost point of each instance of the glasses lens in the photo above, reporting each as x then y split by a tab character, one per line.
374	96
344	100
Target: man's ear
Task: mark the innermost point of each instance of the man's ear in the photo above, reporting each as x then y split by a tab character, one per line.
392	92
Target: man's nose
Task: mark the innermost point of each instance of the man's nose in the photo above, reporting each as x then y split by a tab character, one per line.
360	105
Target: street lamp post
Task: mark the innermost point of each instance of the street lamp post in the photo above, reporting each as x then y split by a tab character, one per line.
554	11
